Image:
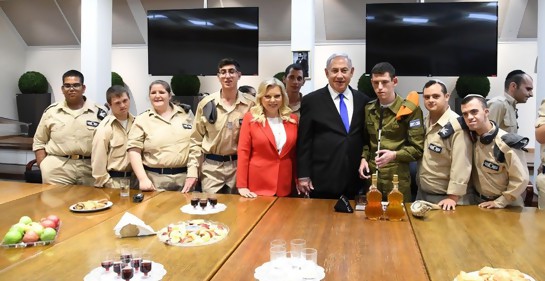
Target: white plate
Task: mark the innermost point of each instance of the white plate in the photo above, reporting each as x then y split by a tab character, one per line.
99	274
188	209
73	208
476	274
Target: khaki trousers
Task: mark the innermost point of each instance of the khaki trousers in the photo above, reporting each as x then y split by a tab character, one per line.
63	171
168	182
216	174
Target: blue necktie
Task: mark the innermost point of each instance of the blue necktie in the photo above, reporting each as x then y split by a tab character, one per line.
344	113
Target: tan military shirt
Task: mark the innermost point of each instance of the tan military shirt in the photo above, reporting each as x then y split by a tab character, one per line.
221	137
296	108
506	179
164	143
539	122
405	137
110	149
446	164
503	112
63	131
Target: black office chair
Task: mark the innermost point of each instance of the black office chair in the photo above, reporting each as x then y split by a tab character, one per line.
33	173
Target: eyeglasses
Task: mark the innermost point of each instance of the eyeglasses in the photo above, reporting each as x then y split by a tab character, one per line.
68	86
225	72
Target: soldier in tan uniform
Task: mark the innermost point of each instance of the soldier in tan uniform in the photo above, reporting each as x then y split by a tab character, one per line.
294	80
445	168
402	133
217	124
500	172
62	142
540	137
109	158
503	109
159	141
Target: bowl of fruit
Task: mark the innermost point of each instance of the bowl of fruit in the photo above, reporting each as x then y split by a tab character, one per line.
28	233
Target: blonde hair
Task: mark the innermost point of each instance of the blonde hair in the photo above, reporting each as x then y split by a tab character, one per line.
257	110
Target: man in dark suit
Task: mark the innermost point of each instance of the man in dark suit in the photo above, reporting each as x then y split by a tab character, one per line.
331	135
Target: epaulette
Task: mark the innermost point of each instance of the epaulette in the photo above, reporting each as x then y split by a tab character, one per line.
185	107
498	154
446	131
145	111
51	106
462	123
515	141
409	105
210	112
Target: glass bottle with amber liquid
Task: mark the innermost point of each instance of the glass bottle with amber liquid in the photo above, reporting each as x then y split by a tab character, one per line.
373	210
395	211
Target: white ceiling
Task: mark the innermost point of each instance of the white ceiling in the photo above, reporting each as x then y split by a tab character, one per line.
57	22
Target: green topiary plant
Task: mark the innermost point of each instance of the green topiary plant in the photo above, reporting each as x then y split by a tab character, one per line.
117	80
364	85
279	76
33	82
467	84
185	85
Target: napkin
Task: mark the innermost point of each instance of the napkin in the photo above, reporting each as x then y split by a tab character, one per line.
343	205
130	225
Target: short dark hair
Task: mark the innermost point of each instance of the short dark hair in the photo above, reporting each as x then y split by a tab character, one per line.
115	91
162	83
229	61
514	76
471	97
73	73
246	89
294	66
435	81
384	67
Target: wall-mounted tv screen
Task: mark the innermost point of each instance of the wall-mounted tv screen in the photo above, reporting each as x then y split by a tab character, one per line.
193	41
433	39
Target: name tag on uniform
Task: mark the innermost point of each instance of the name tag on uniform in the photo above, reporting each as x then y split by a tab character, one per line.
435	148
414	123
92	123
186	126
491	166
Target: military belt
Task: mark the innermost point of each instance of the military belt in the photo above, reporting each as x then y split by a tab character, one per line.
488	198
221	158
76	157
116	174
166	171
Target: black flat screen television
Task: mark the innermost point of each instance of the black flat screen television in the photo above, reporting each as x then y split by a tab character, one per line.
433	39
193	41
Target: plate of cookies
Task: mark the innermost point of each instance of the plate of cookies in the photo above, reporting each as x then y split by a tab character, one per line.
91	206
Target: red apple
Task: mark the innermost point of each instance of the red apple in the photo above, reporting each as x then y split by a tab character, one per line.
54	219
31	236
48	223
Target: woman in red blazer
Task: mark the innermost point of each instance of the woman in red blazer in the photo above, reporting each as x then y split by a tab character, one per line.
266	145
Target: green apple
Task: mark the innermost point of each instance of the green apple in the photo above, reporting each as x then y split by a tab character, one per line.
48	234
12	237
19	227
25	220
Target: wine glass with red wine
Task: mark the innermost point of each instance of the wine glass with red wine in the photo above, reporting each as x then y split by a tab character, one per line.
195	202
203	203
136	259
145	266
213	200
107	261
117	267
127	273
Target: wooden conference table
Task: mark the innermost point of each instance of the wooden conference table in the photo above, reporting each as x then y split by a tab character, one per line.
349	246
471	238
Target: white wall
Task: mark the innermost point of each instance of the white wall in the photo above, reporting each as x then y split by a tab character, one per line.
12	65
131	64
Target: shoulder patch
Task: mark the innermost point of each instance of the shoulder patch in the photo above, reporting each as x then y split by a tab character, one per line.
515	141
414	123
210	112
446	131
101	114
